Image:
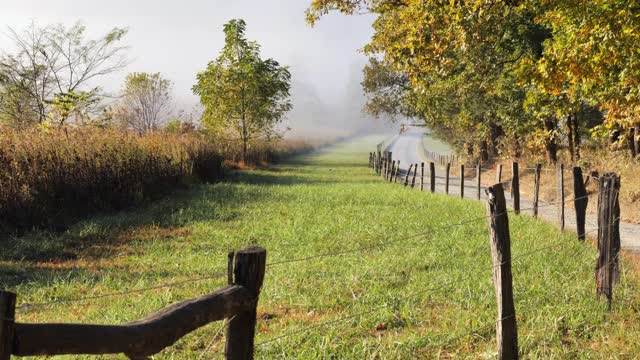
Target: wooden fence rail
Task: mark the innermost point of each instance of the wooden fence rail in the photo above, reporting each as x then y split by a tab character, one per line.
144	338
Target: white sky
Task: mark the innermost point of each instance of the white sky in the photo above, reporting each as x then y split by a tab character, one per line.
179	38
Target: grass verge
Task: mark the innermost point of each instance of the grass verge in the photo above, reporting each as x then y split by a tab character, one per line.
418	296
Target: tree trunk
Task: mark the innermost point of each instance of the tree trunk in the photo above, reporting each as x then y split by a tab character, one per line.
244	150
551	145
636	139
517	151
495	133
631	142
576	133
570	137
469	149
484	155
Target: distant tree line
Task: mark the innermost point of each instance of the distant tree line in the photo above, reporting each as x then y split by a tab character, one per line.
499	76
50	79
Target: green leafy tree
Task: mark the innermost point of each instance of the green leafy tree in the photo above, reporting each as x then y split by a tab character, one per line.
244	97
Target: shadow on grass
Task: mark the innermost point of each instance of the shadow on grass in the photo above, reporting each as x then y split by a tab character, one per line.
42	256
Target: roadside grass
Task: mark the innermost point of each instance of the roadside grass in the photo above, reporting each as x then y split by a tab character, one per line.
403	297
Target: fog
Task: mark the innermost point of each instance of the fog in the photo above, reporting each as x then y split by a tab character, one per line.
179	38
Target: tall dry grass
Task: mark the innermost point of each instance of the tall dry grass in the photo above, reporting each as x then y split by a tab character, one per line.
51	177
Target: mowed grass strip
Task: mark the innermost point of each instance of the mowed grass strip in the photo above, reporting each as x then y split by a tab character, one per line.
402	296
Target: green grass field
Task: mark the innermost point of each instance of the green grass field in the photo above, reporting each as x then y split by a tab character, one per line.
406	296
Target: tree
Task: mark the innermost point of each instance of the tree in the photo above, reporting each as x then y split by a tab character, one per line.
388	92
55	62
244	97
459	58
593	60
145	102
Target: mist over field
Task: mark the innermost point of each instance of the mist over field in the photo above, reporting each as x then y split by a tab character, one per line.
179	39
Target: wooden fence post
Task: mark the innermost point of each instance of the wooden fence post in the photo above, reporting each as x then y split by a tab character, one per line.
406	178
580	201
249	272
499	174
515	187
446	178
536	189
432	177
7	323
415	172
395	176
378	162
383	173
393	171
478	175
389	168
561	196
421	177
462	181
499	239
607	267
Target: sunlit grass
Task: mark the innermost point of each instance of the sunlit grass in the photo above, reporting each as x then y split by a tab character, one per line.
426	296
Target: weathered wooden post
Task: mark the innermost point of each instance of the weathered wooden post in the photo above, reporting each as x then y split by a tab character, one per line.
413	179
393	171
499	174
515	187
462	181
561	196
421	177
389	168
406	178
378	162
478	175
536	189
395	176
499	239
383	173
607	267
7	323
432	177
580	201
446	178
369	159
249	272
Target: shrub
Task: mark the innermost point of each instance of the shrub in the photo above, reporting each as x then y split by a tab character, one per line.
52	177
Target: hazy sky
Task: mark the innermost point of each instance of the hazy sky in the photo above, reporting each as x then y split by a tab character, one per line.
179	38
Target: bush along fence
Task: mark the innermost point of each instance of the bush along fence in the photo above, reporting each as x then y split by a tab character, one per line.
236	303
607	272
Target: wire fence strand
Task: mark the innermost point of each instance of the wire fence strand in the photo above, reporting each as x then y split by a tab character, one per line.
122	293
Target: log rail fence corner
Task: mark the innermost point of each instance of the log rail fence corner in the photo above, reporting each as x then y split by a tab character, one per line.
141	339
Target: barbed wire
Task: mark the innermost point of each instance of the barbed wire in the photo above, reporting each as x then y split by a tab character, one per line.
405	298
122	293
215	336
